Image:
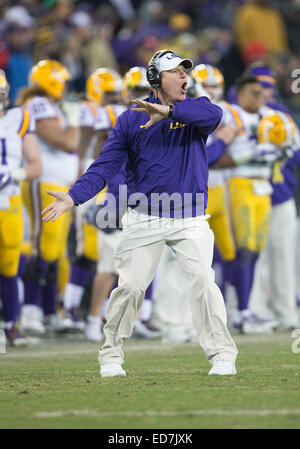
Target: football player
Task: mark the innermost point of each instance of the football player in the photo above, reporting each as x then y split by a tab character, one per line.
249	191
212	80
112	87
105	88
274	282
86	251
58	139
17	144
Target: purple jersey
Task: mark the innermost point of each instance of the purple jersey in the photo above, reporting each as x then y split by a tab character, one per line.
167	158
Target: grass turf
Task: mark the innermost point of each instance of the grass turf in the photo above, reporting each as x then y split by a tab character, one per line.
56	384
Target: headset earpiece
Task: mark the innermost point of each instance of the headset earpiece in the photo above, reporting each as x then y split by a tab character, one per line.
153	75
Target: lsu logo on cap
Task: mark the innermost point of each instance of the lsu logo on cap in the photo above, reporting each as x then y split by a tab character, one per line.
172	55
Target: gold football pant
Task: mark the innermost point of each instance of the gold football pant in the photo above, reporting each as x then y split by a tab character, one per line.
250	214
220	221
11	235
49	240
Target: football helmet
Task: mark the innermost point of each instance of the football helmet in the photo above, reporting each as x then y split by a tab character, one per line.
195	89
103	80
207	75
51	76
4	86
136	78
211	79
276	128
4	90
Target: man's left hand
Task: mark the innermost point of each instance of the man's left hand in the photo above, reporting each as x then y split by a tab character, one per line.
155	111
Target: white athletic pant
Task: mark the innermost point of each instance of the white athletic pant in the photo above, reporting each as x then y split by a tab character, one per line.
274	278
137	258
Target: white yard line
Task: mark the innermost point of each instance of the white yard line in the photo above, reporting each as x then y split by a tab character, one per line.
140	413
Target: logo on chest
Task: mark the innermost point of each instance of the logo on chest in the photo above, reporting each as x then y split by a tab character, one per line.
173	125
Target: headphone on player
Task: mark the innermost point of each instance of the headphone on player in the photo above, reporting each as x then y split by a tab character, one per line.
153	75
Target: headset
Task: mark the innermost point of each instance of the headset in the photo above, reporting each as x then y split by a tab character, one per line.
153	75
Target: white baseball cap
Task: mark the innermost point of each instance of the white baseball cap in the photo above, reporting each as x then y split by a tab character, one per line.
170	60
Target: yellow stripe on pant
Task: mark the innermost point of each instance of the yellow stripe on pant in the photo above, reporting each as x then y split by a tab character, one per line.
49	240
220	221
250	214
11	235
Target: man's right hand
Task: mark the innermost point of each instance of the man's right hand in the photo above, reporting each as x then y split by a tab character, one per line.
62	203
227	133
155	111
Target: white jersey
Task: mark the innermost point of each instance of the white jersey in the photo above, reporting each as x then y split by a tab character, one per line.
58	167
13	126
89	117
246	143
218	177
100	118
108	116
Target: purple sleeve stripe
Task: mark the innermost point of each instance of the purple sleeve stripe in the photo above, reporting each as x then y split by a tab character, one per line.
22	122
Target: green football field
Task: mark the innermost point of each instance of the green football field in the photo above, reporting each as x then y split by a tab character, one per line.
56	384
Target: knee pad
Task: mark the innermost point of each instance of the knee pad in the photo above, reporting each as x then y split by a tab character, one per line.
36	271
84	262
52	273
245	256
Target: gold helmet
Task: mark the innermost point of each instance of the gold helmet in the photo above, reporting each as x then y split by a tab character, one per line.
277	128
93	90
136	78
207	75
51	76
4	86
103	80
4	90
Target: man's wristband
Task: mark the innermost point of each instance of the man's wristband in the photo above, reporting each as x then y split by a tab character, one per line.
171	107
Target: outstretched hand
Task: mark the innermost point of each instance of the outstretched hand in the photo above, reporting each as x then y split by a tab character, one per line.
62	203
155	111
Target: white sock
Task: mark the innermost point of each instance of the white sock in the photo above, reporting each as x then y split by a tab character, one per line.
103	308
73	295
146	310
245	313
21	290
93	319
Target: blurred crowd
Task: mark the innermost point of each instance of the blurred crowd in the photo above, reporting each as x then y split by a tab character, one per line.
83	50
119	34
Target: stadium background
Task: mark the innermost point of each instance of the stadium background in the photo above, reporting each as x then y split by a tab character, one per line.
120	34
124	33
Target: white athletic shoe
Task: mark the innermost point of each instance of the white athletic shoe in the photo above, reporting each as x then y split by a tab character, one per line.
31	319
14	337
112	370
256	325
223	368
92	329
55	323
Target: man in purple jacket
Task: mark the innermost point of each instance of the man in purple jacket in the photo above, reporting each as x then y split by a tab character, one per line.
162	142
